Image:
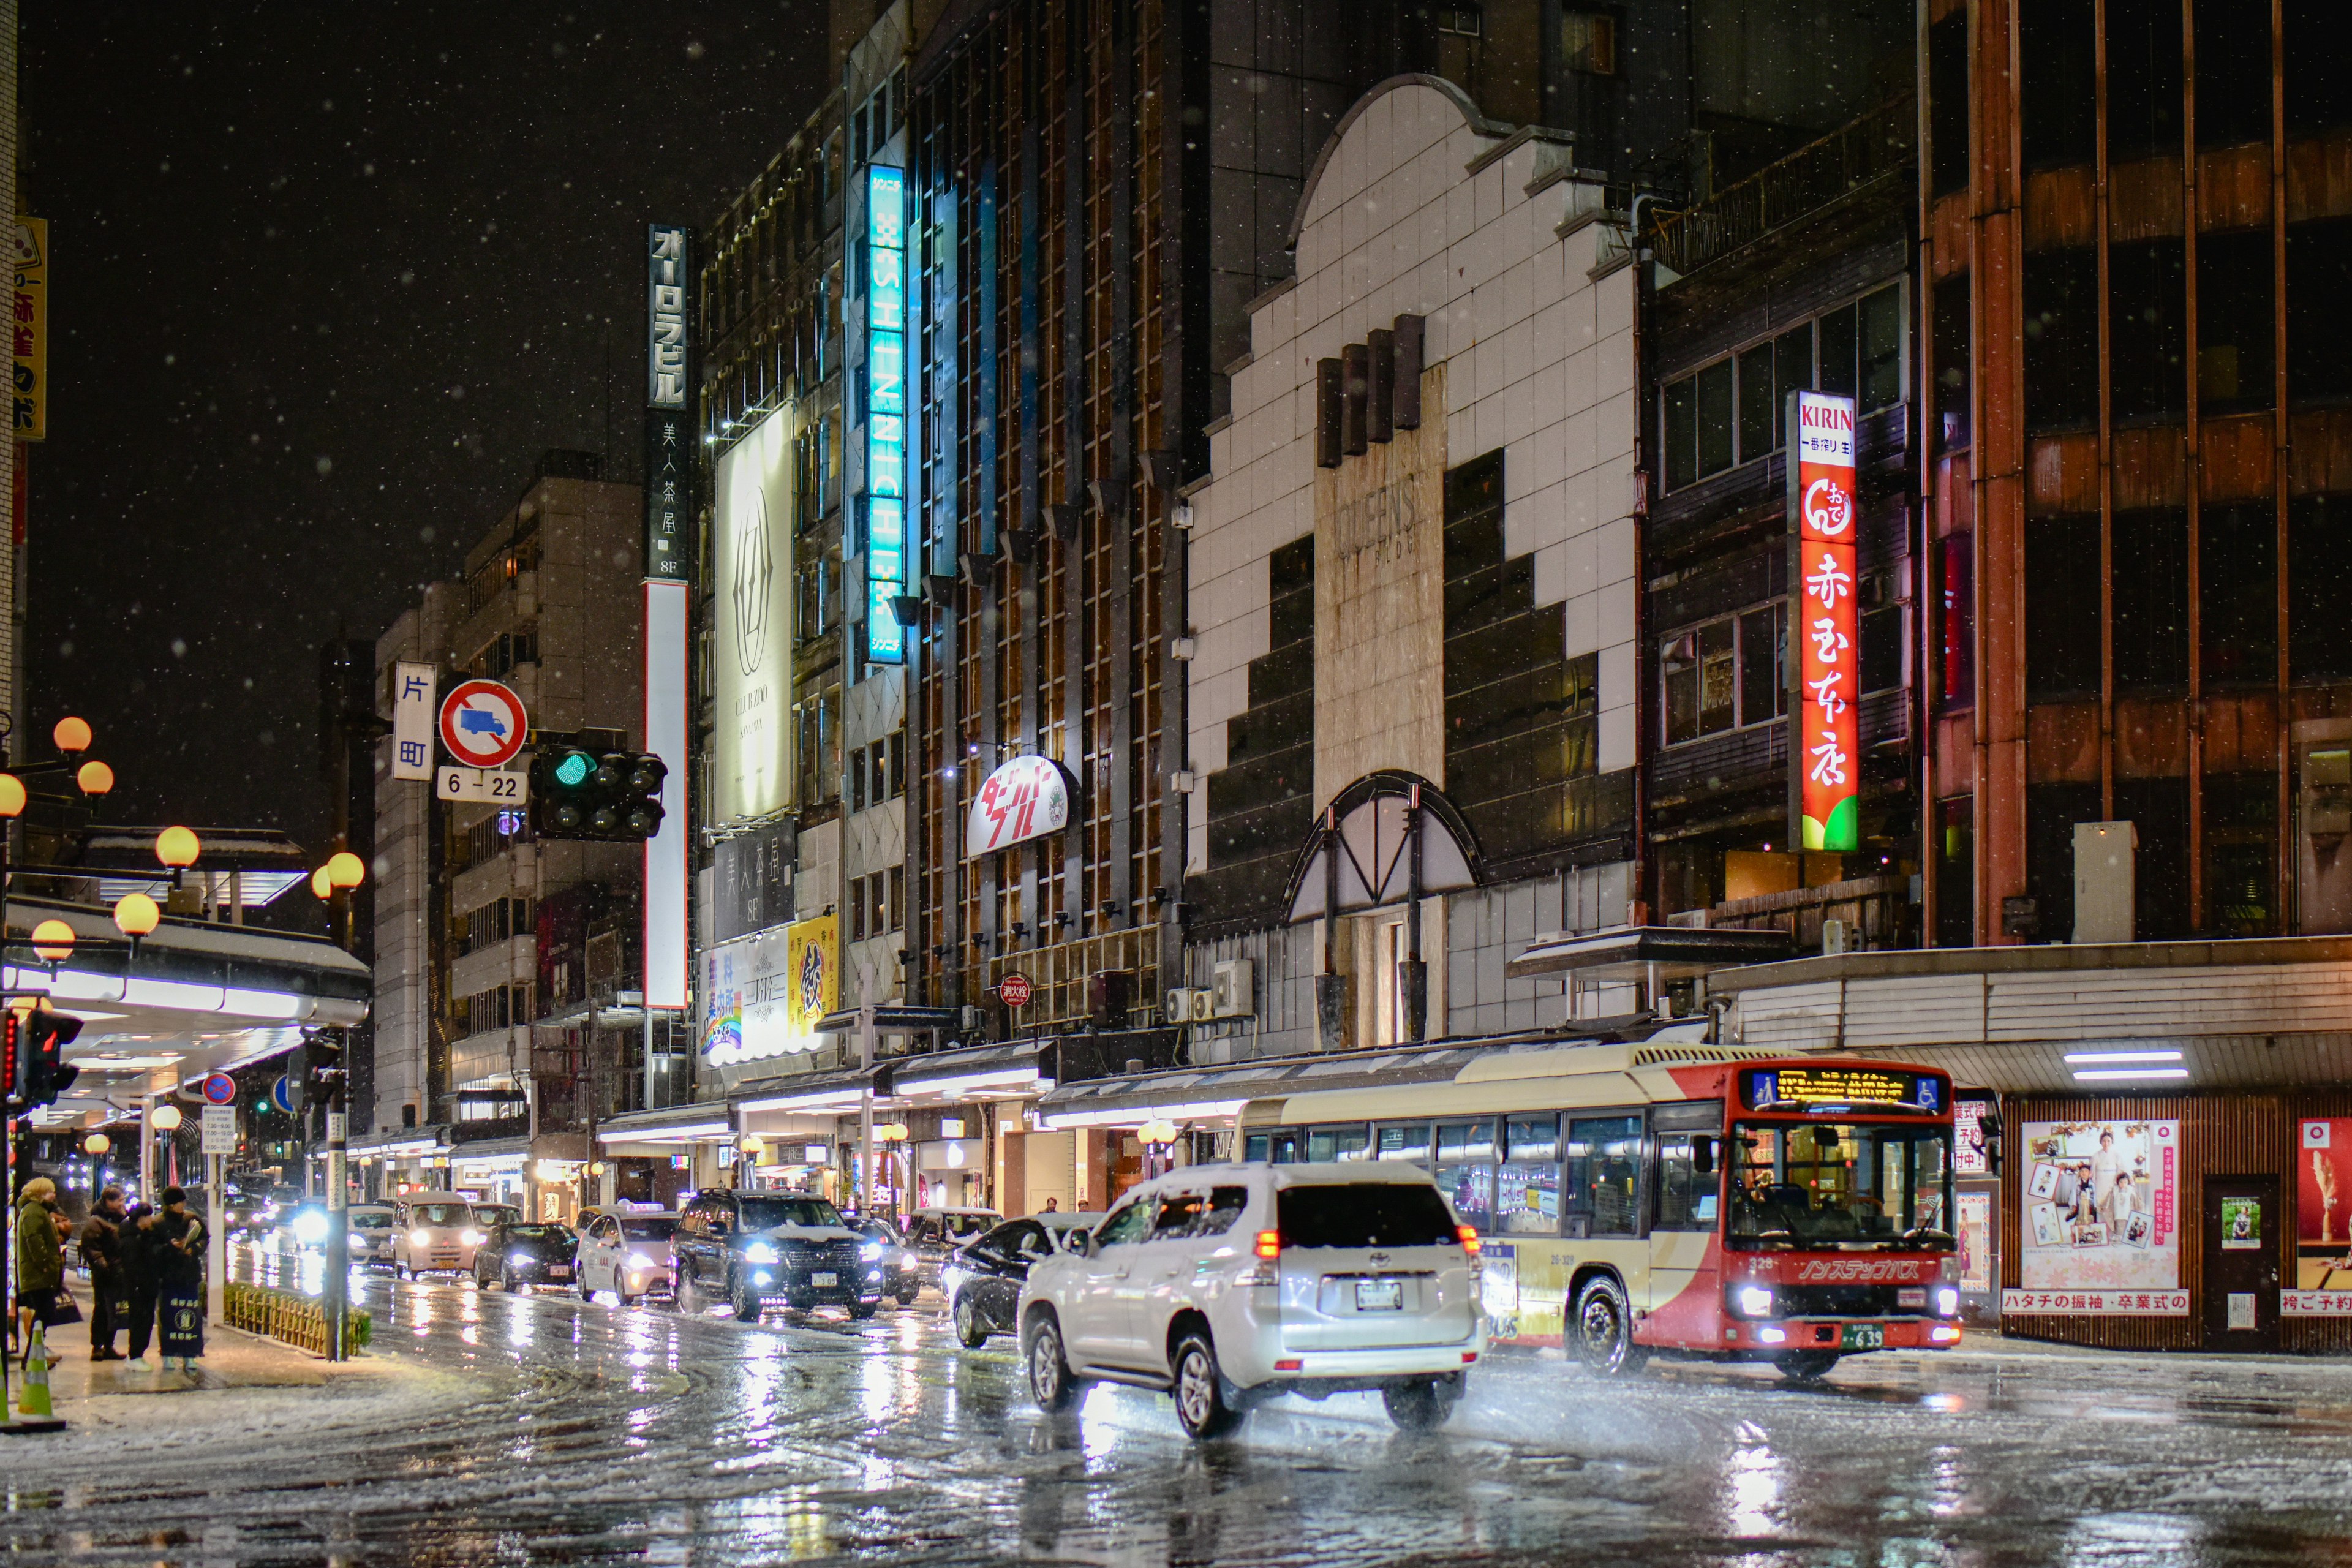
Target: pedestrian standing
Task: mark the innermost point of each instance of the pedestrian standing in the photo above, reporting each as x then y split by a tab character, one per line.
101	1254
180	1280
40	1259
139	1279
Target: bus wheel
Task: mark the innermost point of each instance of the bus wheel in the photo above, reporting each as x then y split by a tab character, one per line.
1603	1330
1805	1366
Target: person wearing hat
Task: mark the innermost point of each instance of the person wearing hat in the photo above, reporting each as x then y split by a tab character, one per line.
179	1253
40	1258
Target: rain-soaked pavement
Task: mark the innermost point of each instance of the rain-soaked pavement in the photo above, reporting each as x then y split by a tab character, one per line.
530	1430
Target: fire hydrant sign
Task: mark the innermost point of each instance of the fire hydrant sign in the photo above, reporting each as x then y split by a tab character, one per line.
483	723
1014	990
1825	800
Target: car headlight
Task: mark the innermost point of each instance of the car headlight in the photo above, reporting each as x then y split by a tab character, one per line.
759	1252
1753	1301
471	1237
871	1249
418	1238
310	1227
909	1261
639	1260
1947	1300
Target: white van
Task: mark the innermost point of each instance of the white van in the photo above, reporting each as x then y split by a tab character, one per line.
1230	1284
433	1233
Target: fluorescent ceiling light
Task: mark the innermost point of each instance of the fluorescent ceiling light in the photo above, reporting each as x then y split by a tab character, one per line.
2099	1075
2123	1056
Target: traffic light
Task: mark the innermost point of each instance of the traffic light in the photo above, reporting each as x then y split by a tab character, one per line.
322	1059
579	792
32	1045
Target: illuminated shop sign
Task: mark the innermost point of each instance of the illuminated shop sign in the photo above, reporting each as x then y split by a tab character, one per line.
1825	794
1841	1088
1027	798
886	411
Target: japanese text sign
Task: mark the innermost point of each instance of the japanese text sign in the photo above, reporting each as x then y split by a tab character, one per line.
31	326
1826	802
886	411
1026	798
414	688
669	448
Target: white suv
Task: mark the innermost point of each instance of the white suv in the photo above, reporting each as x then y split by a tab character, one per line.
1230	1284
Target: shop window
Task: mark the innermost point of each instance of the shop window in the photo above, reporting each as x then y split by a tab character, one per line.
2052	810
2147	329
1952	373
1955	646
1948	104
1882	632
2318	309
1734	410
2057	41
2145	79
2061	339
2157	810
2235	329
2151	599
2319	583
1763	679
1600	1190
2237	592
2317	48
1703	684
2062	606
2241	852
1956	872
2232	51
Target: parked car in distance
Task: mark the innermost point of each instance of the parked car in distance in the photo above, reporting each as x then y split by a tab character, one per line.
933	1233
749	1250
368	1234
433	1233
981	1279
488	1215
1227	1286
902	1277
628	1254
516	1255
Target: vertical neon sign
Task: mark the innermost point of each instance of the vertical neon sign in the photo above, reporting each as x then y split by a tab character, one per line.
886	411
1825	766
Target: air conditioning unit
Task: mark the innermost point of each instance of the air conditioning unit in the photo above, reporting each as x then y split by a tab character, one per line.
1186	1004
1232	990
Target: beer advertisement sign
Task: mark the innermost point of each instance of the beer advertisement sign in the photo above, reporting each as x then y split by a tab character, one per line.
1825	792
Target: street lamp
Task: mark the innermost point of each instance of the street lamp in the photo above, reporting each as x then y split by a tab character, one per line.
54	941
344	870
96	1144
12	795
71	735
164	1118
94	778
136	915
178	847
320	886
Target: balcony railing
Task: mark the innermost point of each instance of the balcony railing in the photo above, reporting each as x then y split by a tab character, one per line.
1881	145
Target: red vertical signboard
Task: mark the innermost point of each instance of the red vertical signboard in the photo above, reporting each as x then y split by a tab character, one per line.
1825	791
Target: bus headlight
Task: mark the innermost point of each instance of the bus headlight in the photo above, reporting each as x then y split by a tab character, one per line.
1947	1300
1752	1301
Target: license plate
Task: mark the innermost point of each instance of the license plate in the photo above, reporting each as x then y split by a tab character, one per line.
560	1271
1380	1295
1865	1337
825	1279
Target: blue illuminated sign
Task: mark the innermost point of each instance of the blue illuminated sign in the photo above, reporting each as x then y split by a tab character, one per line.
886	411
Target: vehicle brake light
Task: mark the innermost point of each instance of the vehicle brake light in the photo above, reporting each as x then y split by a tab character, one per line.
1269	1244
1294	1364
1469	1356
1469	1235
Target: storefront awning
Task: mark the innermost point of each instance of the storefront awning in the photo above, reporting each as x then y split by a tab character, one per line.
996	1071
703	1121
1648	953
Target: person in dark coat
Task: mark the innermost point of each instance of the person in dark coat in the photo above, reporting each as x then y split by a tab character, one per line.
180	1237
101	1254
139	1279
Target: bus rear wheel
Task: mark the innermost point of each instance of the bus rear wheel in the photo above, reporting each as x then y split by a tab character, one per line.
1602	1332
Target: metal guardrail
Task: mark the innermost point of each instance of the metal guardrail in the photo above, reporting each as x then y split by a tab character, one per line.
1879	145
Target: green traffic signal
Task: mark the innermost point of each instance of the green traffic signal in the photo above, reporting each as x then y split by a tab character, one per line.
574	769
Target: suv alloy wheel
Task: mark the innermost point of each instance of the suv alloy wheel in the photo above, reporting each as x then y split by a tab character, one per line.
746	1302
1050	1382
1200	1407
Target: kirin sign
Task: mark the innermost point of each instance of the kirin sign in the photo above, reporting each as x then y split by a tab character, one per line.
1825	792
1026	798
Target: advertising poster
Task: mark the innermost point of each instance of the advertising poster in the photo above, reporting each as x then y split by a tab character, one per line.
1968	1156
1828	728
2101	1222
2322	1286
752	631
767	994
31	322
1975	1241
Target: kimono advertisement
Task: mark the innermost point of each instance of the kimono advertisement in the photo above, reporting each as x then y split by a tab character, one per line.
2099	1216
2321	1286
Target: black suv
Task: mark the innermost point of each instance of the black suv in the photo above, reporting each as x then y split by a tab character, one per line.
749	1250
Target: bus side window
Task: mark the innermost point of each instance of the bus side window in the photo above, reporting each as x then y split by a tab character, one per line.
1686	1185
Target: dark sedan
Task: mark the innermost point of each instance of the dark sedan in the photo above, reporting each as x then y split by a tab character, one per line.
981	1279
901	1269
517	1256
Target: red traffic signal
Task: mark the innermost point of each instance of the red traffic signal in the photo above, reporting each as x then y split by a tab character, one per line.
32	1045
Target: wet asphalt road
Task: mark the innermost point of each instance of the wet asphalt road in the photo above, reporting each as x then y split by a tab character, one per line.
530	1430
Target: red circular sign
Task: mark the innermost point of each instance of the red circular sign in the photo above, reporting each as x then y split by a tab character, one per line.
483	723
1014	990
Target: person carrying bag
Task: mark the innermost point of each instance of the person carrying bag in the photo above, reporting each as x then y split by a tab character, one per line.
41	1293
101	1254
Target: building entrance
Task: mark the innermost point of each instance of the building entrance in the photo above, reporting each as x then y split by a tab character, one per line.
2242	1239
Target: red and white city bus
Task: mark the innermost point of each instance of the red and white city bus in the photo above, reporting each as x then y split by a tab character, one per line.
1676	1198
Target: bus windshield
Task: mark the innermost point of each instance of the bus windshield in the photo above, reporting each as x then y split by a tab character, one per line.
1843	1185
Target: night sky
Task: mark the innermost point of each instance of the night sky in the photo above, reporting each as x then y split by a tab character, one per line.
327	280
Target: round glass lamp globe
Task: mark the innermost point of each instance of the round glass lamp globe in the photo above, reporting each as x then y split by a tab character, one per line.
178	846
345	870
164	1118
319	885
94	778
12	795
135	914
71	734
96	1144
54	941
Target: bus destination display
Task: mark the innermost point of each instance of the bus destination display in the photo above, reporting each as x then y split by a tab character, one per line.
1836	1088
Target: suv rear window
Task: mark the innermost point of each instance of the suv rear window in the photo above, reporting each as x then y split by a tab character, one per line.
1366	1214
